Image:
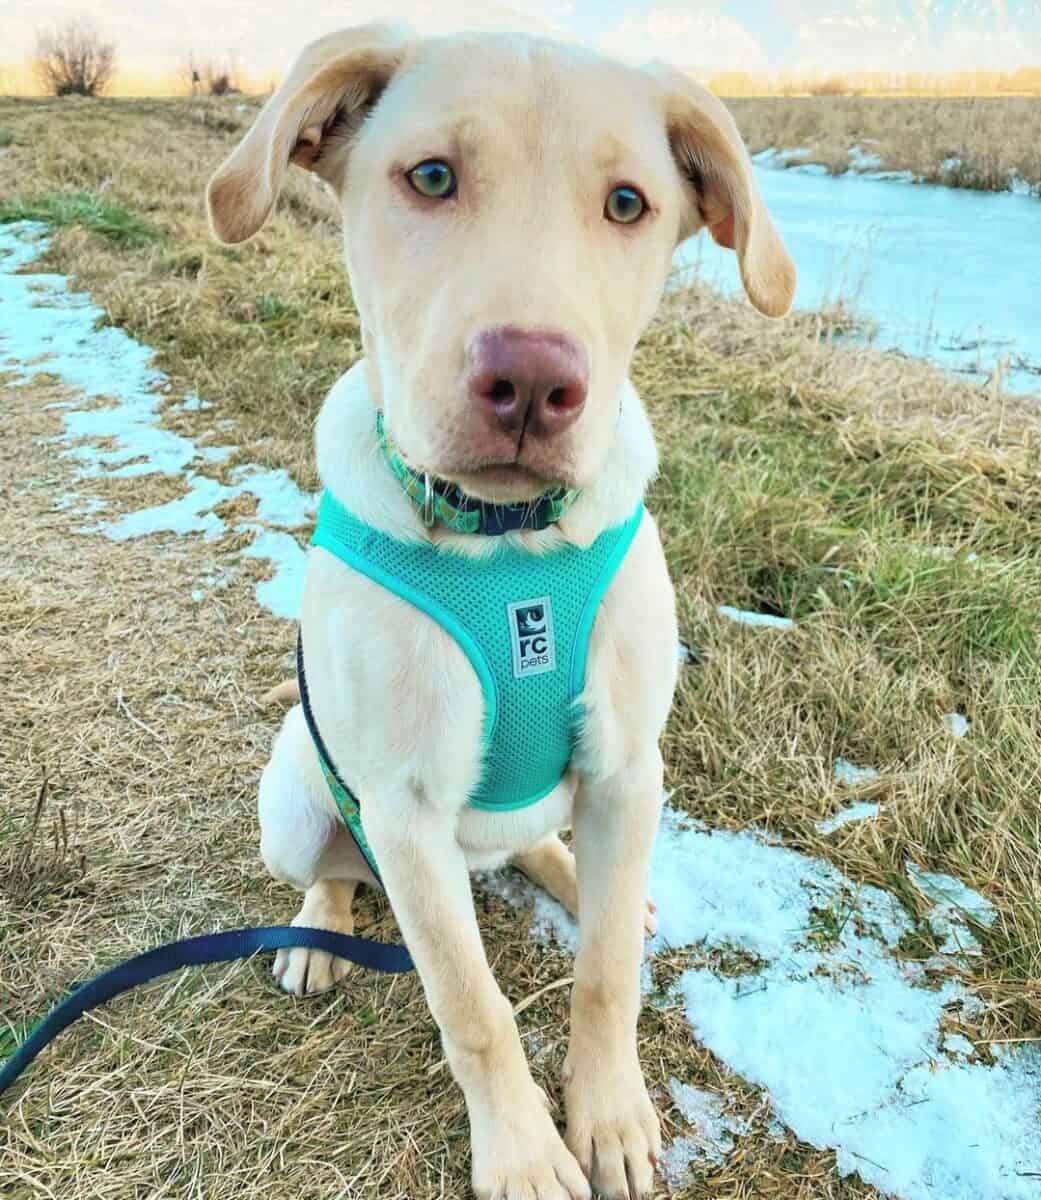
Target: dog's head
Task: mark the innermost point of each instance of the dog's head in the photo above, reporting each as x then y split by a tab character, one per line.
511	206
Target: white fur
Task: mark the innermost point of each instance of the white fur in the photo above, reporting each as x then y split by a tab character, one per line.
540	135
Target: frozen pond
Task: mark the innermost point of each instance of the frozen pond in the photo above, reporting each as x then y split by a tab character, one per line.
944	272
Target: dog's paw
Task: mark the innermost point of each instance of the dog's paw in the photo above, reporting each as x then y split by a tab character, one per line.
302	972
519	1155
614	1134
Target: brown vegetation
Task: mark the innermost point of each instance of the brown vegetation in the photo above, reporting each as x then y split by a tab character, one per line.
210	76
1024	81
74	60
977	143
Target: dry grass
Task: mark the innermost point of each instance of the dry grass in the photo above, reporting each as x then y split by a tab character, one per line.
844	488
986	143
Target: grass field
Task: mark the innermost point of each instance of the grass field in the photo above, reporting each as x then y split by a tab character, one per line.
987	143
893	512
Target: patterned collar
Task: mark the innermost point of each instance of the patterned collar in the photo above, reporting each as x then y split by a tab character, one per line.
444	503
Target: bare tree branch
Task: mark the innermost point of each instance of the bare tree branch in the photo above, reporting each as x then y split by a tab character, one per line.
74	60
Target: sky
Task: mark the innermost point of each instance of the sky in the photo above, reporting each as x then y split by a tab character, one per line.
703	36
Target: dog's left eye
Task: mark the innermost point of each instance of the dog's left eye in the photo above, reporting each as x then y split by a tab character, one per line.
624	206
433	178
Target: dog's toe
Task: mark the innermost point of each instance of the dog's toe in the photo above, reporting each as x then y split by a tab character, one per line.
303	972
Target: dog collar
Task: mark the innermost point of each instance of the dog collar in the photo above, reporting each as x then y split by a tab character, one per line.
443	503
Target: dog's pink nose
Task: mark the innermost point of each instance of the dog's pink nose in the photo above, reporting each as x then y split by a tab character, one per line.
534	380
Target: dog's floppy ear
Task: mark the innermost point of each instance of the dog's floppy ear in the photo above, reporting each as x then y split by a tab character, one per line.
309	121
723	193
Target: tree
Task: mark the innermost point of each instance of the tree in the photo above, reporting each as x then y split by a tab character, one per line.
210	76
74	60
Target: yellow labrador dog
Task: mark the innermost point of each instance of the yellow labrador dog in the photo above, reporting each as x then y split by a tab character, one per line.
510	206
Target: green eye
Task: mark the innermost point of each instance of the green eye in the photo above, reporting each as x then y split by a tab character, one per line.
624	205
433	178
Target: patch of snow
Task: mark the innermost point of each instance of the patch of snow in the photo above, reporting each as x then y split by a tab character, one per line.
84	506
284	591
192	403
215	454
954	906
832	1023
851	775
957	724
682	654
955	1043
856	812
712	1141
715	1130
190	513
114	427
279	500
764	620
863	160
675	1159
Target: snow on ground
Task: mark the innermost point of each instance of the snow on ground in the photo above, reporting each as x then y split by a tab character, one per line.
115	427
712	1141
856	812
763	620
854	1051
851	775
852	1045
956	723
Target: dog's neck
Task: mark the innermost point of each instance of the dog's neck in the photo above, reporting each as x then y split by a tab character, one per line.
445	504
352	465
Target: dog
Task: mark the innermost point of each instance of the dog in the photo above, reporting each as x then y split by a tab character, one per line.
511	206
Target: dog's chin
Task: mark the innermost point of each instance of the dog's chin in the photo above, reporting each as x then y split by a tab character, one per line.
502	483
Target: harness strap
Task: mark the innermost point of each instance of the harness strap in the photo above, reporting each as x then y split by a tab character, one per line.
196	952
346	801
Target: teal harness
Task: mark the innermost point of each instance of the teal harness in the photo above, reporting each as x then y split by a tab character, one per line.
522	619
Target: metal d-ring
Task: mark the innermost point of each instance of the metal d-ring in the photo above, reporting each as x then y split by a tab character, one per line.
429	516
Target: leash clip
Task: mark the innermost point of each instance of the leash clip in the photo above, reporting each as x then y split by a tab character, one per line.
427	511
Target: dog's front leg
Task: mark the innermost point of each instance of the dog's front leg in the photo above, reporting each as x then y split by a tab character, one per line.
517	1151
612	1126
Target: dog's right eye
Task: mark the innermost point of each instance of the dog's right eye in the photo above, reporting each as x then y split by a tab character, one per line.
433	178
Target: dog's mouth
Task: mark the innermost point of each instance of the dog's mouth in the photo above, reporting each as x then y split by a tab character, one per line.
501	482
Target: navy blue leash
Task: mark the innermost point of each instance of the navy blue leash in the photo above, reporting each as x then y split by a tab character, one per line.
196	952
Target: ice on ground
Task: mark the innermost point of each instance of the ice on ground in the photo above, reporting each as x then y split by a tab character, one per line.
957	724
831	1022
743	617
856	812
853	776
115	427
885	252
713	1137
715	1129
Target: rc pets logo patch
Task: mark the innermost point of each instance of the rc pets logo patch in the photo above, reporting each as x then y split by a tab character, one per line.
531	634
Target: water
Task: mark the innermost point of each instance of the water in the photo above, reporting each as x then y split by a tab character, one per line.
950	274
